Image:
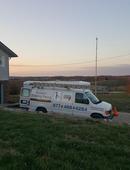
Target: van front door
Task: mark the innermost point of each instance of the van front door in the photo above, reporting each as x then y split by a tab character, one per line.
81	107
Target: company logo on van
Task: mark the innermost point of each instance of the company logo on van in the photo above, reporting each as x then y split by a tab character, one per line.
61	106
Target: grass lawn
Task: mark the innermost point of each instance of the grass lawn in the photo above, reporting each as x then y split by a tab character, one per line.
120	100
40	142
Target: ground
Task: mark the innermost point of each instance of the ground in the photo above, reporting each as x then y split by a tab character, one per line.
36	142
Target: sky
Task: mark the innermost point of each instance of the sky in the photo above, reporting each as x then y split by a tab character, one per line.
58	37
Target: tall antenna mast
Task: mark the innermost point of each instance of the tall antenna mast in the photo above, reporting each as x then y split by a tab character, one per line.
96	66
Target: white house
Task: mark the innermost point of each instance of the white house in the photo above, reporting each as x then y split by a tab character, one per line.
5	55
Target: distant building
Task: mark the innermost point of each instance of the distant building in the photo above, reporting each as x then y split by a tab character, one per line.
5	55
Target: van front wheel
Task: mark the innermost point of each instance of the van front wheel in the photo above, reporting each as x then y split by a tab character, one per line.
41	109
97	116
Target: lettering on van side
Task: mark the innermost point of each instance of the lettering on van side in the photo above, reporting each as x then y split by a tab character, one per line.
66	106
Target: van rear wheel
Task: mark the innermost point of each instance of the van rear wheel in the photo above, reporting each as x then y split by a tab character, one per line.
97	116
41	109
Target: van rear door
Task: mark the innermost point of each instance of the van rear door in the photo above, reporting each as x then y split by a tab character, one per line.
25	97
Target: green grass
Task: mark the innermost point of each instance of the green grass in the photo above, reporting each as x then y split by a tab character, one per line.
38	142
120	100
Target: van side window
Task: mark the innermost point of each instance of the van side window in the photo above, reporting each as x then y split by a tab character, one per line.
79	98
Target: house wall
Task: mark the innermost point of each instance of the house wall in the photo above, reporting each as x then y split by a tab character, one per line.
4	66
4	76
4	98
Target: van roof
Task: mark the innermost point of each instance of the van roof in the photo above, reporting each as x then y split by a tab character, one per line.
62	84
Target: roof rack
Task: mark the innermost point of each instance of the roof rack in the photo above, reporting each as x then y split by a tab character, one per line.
61	84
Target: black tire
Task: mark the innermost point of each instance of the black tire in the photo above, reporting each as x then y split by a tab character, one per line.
41	109
97	116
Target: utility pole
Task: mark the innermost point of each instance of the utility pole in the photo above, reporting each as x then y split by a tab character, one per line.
96	67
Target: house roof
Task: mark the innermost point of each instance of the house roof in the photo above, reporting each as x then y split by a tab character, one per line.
7	50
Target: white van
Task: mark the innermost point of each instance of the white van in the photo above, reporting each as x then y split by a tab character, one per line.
69	97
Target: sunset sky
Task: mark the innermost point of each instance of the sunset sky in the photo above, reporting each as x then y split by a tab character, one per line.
58	37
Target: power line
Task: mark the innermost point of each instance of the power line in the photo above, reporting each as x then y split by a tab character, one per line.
69	64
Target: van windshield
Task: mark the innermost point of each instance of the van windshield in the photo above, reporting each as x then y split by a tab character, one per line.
92	97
